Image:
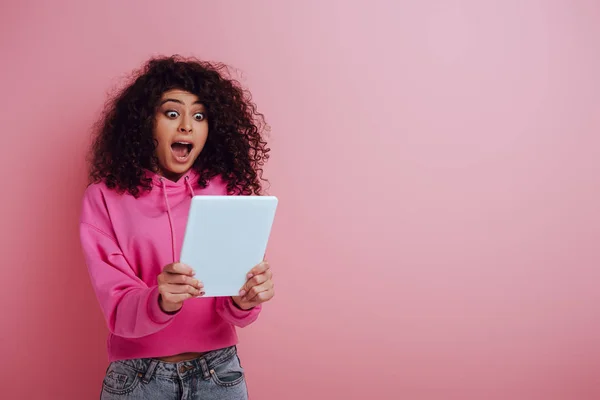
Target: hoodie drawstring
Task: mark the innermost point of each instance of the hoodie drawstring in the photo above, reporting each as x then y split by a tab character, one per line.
164	187
189	185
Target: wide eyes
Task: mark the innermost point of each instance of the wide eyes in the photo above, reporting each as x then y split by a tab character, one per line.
174	114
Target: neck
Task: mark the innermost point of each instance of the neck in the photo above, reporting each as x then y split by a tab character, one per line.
170	175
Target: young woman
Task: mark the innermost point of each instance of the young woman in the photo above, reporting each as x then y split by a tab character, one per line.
181	128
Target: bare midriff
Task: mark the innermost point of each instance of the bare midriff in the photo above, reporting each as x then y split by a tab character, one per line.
180	357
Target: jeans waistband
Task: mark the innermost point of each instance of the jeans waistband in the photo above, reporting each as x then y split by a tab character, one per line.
147	367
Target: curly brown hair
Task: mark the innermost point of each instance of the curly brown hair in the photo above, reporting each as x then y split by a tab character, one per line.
235	149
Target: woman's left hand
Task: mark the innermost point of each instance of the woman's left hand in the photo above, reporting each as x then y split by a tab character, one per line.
258	288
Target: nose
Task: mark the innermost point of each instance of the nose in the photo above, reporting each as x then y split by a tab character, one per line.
186	125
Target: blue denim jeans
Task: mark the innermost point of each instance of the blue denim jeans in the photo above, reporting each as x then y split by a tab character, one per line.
216	375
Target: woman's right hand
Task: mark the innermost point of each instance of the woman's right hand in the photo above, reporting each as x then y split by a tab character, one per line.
175	285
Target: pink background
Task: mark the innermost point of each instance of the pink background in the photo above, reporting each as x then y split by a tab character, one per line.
438	165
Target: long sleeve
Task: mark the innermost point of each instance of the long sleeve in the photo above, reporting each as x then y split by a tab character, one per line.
130	307
232	314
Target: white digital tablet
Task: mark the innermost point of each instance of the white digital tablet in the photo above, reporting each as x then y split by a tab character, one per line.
225	237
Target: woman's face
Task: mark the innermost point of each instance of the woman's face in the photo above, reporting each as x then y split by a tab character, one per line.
181	130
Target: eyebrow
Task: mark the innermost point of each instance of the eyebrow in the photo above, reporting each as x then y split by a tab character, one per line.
178	101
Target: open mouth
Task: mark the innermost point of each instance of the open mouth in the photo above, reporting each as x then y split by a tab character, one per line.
182	150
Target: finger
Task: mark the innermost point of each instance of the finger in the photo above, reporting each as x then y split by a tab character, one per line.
256	280
251	294
179	279
258	269
262	297
167	277
179	268
180	289
175	298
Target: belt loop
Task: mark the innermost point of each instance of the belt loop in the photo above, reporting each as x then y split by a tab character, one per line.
204	366
150	371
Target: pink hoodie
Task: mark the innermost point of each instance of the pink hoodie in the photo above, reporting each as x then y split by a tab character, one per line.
126	243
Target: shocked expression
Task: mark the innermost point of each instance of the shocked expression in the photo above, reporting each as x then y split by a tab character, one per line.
180	130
